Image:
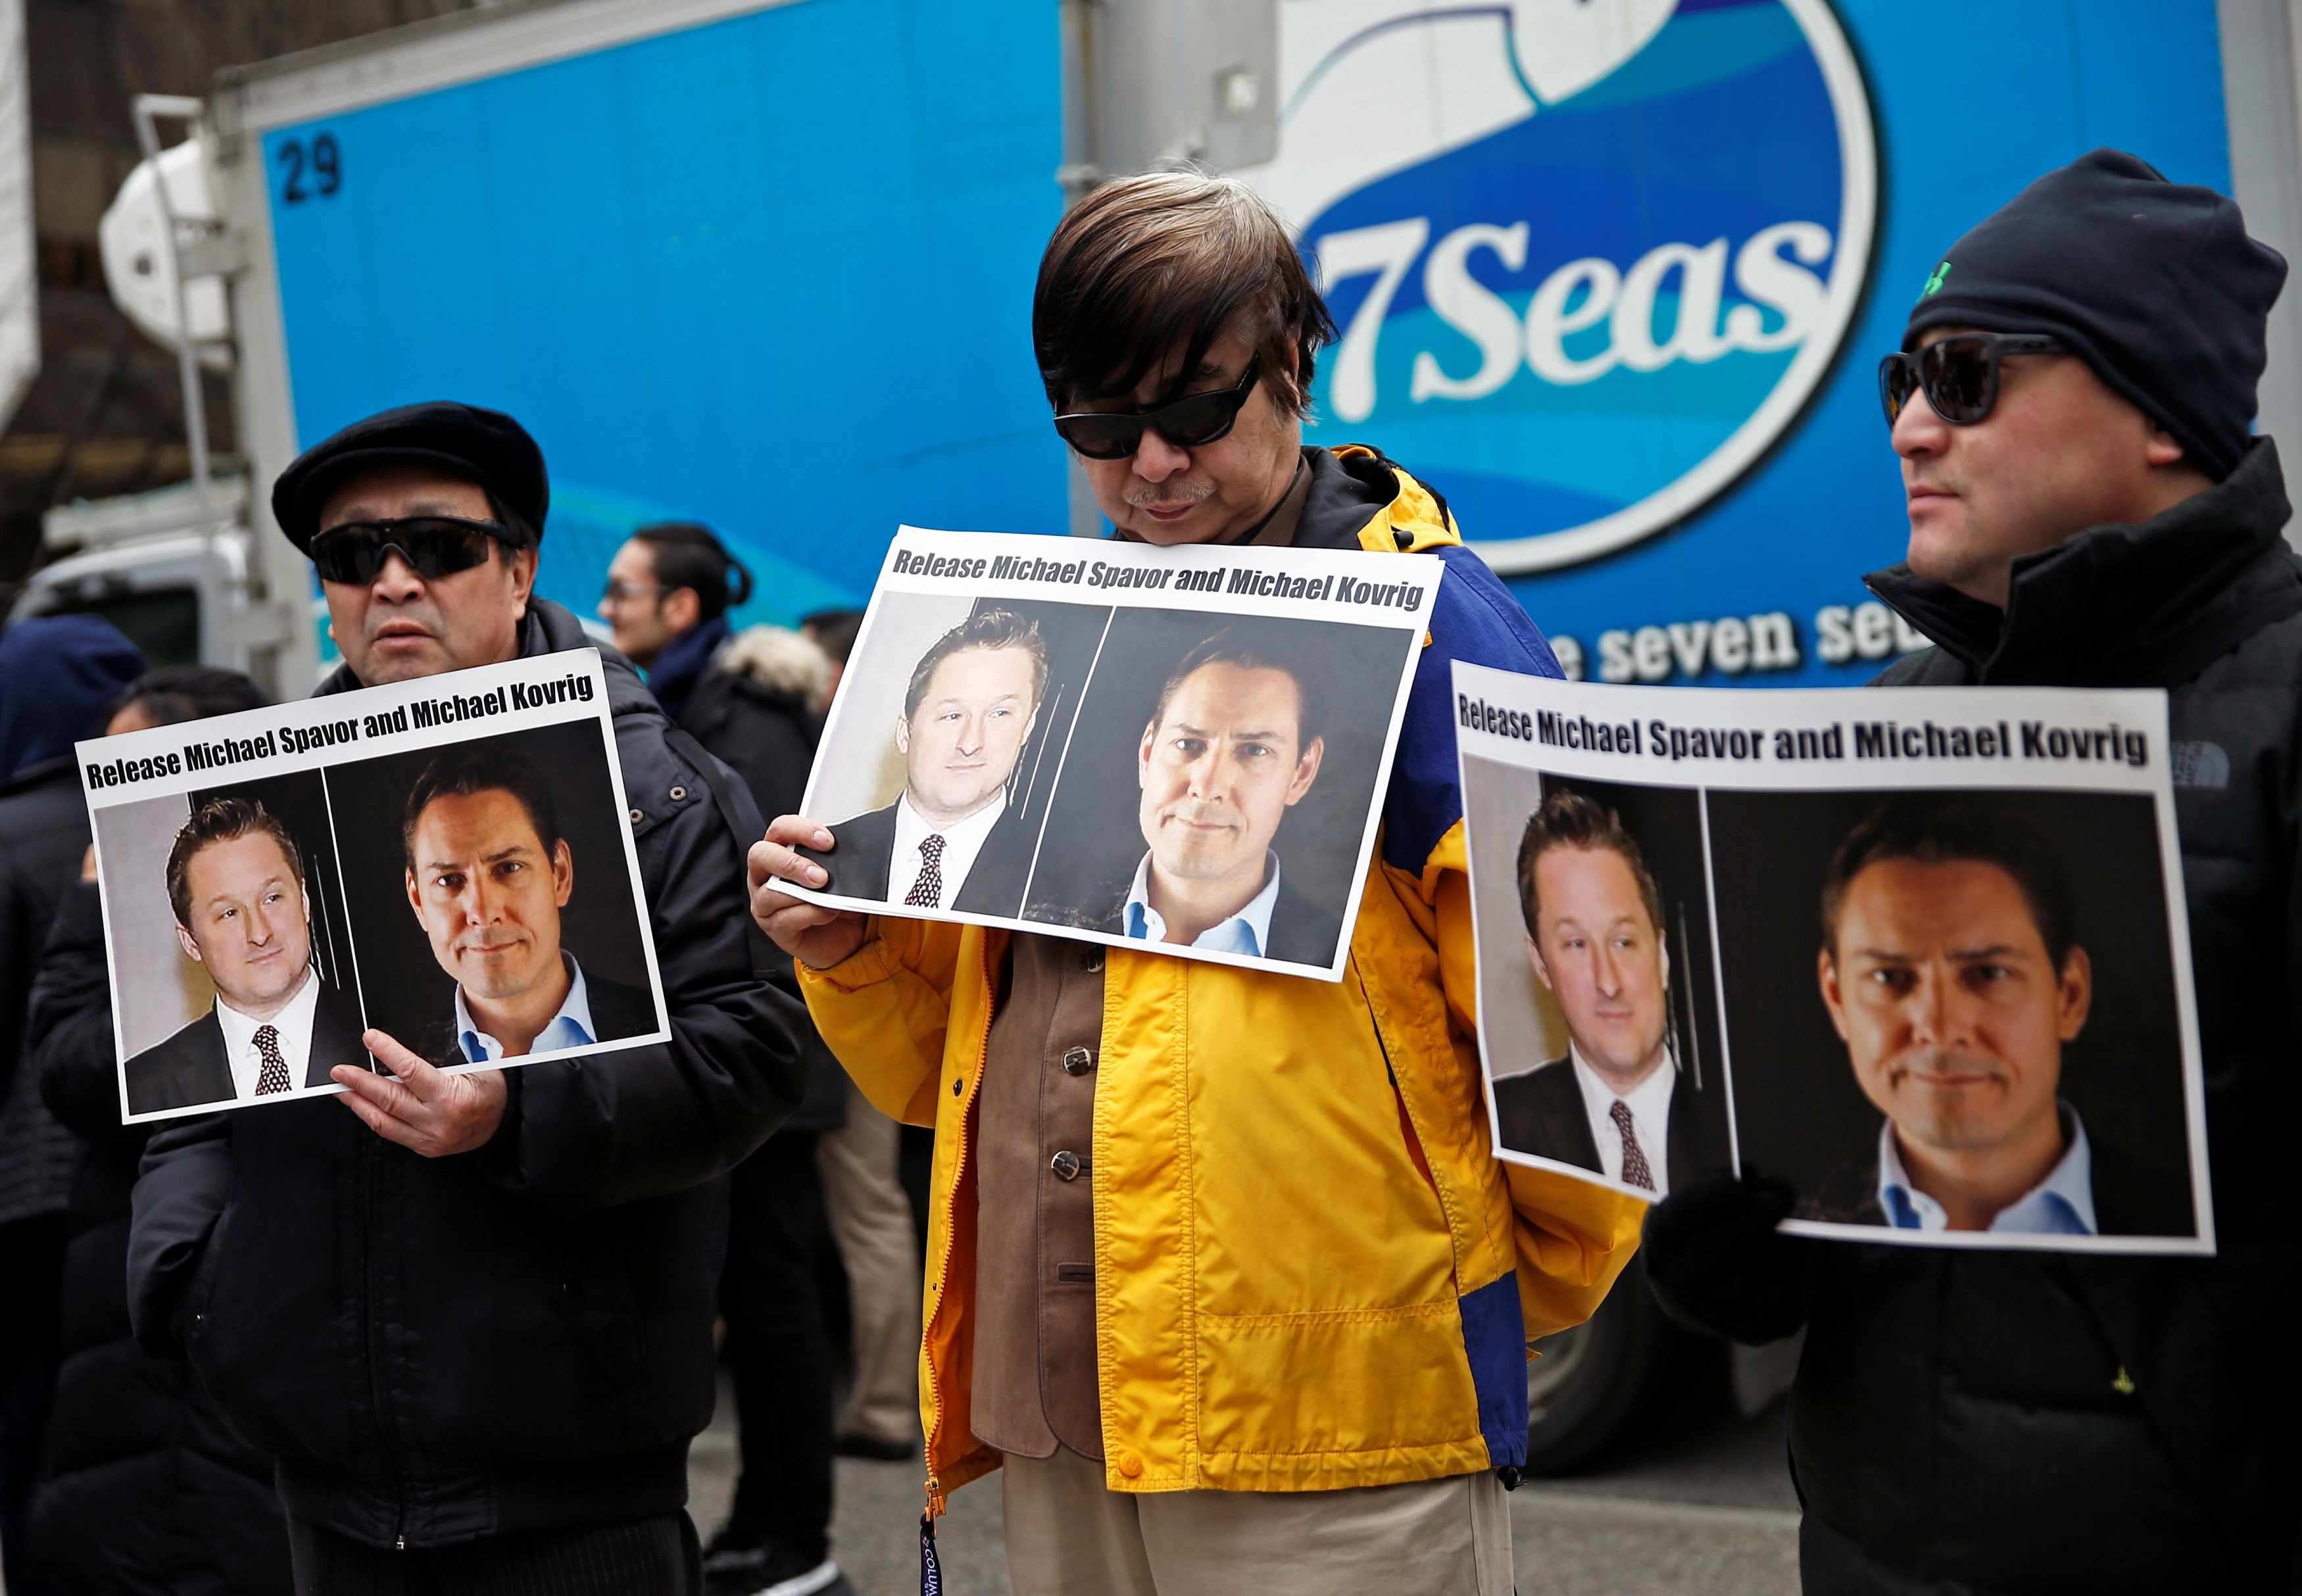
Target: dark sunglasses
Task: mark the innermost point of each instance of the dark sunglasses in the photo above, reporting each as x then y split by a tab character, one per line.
434	546
1187	423
1960	375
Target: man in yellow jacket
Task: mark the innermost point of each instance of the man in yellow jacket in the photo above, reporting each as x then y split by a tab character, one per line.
1220	1268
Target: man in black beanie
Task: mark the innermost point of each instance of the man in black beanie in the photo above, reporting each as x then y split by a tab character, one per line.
469	1316
2071	405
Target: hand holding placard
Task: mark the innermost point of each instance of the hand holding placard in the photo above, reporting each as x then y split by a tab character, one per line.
420	1107
817	937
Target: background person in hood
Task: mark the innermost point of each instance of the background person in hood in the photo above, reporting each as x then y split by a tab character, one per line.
58	676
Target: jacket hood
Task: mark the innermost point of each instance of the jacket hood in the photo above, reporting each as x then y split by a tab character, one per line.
777	661
57	674
2099	608
549	628
1351	485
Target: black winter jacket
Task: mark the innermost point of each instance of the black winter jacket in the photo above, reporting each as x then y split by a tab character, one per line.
517	1337
43	834
2031	1422
142	1491
750	708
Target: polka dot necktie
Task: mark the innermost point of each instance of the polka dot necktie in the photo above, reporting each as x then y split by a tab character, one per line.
273	1077
1635	1171
927	892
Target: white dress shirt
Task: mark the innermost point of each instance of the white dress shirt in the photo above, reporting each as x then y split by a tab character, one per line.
1247	932
963	840
2061	1205
571	1026
1650	1105
294	1024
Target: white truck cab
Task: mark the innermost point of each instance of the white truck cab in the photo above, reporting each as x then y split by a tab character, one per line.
172	568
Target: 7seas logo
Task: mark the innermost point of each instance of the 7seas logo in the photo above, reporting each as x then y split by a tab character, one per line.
1591	258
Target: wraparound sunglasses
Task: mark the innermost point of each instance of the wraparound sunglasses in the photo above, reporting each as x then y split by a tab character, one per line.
434	546
1187	423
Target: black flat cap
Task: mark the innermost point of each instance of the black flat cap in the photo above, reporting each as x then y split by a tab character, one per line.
485	446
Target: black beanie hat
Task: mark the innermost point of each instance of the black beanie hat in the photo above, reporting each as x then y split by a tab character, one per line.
486	447
2153	284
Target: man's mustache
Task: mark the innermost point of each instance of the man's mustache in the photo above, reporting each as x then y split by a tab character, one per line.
1166	495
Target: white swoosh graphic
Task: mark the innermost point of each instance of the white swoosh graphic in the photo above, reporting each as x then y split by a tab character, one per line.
1375	87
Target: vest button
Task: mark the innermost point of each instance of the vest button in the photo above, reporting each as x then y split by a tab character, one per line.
1077	1061
679	794
1130	1466
637	816
1067	1165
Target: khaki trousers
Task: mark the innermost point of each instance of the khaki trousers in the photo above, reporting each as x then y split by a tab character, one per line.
1067	1534
872	1222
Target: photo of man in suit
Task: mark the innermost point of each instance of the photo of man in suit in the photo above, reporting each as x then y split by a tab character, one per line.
489	871
1953	972
953	840
1594	935
1233	743
236	883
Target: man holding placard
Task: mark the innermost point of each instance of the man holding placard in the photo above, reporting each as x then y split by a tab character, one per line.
1164	1187
469	1315
2087	507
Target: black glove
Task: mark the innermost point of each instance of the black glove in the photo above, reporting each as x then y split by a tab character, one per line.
1718	1265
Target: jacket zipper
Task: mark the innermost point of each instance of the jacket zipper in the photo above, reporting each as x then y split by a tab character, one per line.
368	1154
936	1501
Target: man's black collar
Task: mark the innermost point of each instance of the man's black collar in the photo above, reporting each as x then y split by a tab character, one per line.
2103	606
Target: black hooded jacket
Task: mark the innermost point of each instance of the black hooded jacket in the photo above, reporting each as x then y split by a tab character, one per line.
2033	1422
516	1337
142	1491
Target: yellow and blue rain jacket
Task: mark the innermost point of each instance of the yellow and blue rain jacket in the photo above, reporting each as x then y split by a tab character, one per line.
1310	1271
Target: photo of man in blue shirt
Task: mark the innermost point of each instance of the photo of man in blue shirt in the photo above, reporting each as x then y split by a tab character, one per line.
1952	972
1234	742
488	873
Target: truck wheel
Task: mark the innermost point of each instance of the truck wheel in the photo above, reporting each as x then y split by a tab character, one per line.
1593	1381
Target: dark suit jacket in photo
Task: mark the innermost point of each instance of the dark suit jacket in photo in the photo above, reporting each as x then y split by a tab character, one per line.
2130	1198
1540	1113
617	1012
865	853
190	1069
1301	932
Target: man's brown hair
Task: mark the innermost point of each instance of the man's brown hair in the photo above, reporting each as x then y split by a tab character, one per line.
1568	820
984	629
1148	267
1940	829
223	820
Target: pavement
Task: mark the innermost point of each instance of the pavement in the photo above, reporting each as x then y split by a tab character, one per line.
1698	1504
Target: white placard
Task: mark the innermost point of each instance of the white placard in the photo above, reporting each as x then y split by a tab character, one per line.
277	881
1922	954
1183	749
